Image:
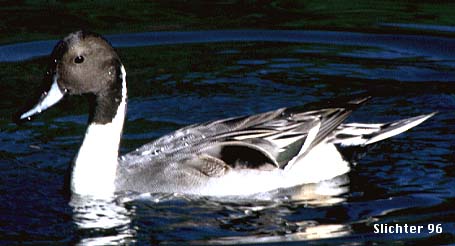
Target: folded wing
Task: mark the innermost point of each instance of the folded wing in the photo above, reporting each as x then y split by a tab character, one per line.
274	139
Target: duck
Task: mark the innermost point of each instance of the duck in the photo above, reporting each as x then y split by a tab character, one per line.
237	156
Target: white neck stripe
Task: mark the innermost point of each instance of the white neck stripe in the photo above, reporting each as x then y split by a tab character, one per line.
95	166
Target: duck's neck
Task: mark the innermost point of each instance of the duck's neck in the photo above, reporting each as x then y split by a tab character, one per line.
95	166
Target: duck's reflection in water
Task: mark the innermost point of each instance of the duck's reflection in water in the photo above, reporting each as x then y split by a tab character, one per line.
309	231
324	193
102	222
312	196
108	222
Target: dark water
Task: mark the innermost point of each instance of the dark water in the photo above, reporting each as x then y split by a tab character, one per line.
180	78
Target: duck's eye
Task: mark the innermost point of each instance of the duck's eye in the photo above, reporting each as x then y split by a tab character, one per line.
79	59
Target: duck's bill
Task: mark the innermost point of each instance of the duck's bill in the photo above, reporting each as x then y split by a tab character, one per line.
47	99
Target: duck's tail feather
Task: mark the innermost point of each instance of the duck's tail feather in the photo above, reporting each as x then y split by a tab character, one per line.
359	134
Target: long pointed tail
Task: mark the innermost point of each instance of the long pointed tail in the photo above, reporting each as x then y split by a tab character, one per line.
359	134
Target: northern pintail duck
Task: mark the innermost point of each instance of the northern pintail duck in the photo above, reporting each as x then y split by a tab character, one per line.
235	156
